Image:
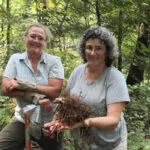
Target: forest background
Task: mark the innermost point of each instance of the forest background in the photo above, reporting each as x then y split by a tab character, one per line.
129	20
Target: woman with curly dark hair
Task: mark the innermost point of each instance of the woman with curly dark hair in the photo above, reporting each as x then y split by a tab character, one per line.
103	88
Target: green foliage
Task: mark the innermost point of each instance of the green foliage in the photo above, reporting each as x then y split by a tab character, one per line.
70	59
138	141
6	110
68	141
137	115
135	141
137	111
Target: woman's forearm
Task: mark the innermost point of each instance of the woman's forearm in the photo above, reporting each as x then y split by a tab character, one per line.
108	122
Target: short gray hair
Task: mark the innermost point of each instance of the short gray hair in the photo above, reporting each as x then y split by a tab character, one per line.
45	29
105	36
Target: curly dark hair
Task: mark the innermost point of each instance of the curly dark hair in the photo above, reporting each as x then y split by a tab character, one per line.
105	36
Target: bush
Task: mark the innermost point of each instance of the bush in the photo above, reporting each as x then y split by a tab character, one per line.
137	115
137	111
6	110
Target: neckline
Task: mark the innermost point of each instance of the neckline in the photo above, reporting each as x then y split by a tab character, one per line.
99	78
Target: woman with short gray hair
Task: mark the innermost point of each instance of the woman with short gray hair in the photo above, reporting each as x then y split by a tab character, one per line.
41	76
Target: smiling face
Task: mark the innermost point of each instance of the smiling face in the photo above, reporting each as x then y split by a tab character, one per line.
95	52
35	40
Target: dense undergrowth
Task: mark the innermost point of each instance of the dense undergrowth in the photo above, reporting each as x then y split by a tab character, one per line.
137	115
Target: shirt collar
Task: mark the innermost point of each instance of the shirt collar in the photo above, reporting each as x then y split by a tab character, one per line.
43	58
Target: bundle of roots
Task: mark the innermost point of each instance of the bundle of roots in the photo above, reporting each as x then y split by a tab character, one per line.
72	110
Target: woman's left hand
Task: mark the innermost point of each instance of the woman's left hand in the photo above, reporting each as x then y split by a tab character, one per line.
56	126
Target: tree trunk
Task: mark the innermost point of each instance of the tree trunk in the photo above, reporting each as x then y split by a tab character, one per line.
64	43
120	40
40	11
8	30
2	25
138	65
98	14
60	32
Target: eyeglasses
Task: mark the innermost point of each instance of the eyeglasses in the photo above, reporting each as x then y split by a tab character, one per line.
35	36
95	49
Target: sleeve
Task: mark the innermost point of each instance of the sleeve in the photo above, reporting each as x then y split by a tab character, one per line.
10	70
117	90
57	70
71	81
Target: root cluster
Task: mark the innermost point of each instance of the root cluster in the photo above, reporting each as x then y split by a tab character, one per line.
71	110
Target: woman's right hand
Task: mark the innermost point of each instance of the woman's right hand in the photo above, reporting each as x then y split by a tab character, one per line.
11	85
54	126
47	128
